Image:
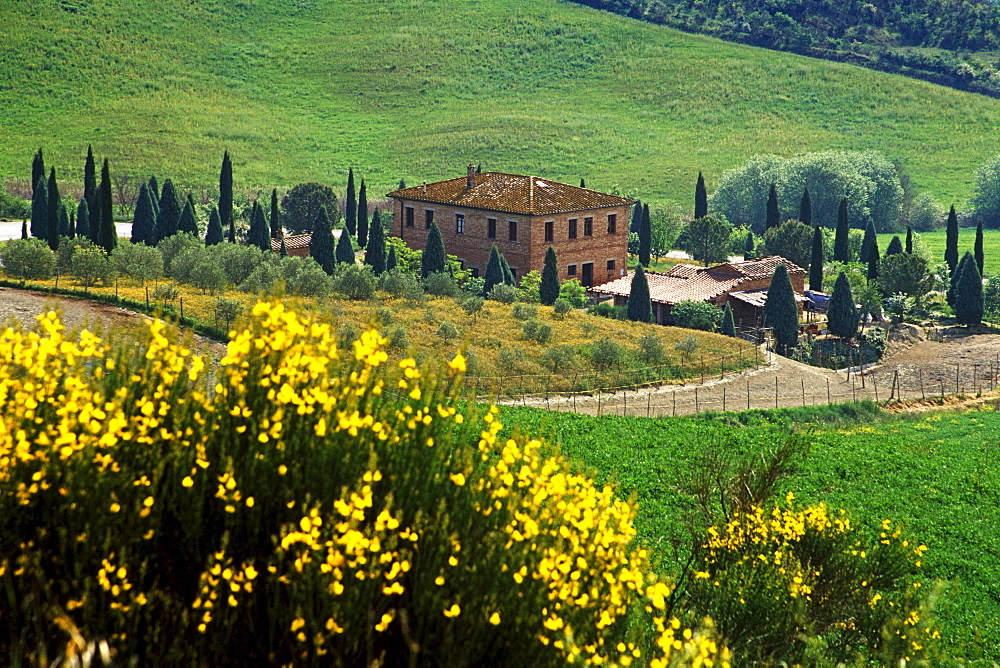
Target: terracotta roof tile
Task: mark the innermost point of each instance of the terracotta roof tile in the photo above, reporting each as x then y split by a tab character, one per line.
291	242
758	297
512	193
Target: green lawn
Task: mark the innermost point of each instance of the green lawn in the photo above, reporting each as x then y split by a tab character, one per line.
934	242
418	88
937	472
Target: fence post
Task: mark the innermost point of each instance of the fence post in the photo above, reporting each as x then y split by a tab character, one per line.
723	398
181	299
803	381
649	398
696	400
625	402
942	390
828	391
975	379
598	402
775	391
147	297
957	369
920	375
875	385
675	402
703	368
748	394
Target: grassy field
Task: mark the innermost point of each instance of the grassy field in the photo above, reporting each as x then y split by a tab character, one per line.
401	89
937	472
934	242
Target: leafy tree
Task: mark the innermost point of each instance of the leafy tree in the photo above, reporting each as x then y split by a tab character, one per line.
345	249
301	206
977	248
805	208
548	291
748	247
361	226
168	218
692	314
37	172
107	237
375	252
433	258
816	261
791	240
969	293
89	177
91	265
137	261
40	210
707	239
213	235
842	314
187	221
773	217
351	206
259	234
951	240
780	312
728	327
55	200
986	198
909	239
639	306
321	244
873	261
225	197
645	237
700	198
275	221
841	244
28	259
895	247
905	273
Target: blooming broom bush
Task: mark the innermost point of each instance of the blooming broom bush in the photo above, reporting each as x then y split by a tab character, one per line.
301	503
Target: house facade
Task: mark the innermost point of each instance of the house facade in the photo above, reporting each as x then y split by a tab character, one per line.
742	284
523	216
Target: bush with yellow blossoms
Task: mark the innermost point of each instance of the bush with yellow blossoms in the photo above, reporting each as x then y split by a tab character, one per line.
302	503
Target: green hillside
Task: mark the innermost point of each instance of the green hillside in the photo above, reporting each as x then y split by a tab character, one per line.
417	89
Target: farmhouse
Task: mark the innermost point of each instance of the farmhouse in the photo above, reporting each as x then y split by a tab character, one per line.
742	284
522	216
297	245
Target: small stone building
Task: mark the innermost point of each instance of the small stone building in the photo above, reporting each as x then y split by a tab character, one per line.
297	245
522	216
742	284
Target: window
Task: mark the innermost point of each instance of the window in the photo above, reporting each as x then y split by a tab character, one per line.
409	216
428	218
571	270
513	272
475	271
491	228
588	227
460	223
572	228
549	232
612	223
611	265
512	230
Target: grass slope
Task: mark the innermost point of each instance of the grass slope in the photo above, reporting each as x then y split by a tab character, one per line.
938	472
934	241
302	90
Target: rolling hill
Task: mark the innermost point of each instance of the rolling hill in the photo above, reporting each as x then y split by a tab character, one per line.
416	89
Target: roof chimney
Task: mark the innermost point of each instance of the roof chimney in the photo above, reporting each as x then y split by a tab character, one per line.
470	176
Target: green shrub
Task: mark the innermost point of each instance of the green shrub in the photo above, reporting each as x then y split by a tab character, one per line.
28	259
239	261
559	358
14	207
573	292
503	293
383	316
399	283
447	330
137	262
537	331
509	360
304	277
561	308
208	276
687	347
226	311
67	247
91	264
651	349
608	310
354	281
175	244
262	279
398	339
696	315
524	312
473	305
440	284
605	354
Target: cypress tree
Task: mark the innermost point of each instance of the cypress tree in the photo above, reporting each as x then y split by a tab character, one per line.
154	192
909	240
805	208
748	247
64	228
24	229
842	314
169	213
951	240
391	261
700	198
187	221
375	251
895	247
728	326
55	201
956	277
583	184
72	223
321	243
493	275
773	212
479	168
969	293
275	215
213	235
89	177
645	237
639	307
361	226
144	219
402	184
283	252
548	291
816	261
107	238
841	240
866	243
37	172
780	312
40	210
636	222
977	248
83	219
432	260
508	275
351	207
258	234
345	249
225	196
873	261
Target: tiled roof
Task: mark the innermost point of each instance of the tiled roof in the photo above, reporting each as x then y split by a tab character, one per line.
291	242
686	282
758	297
512	193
